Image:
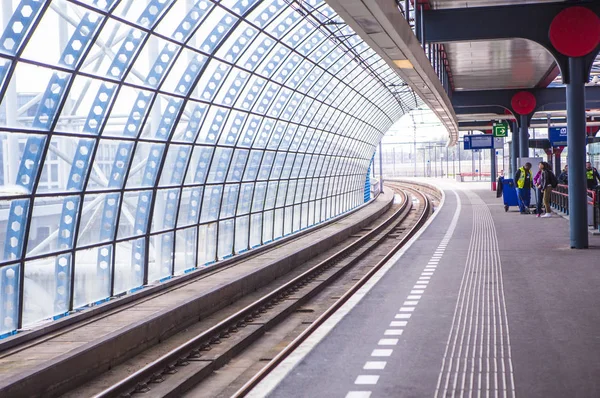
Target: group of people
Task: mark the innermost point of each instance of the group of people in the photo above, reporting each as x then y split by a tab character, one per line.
543	182
591	174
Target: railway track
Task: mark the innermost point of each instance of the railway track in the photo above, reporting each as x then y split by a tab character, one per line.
193	361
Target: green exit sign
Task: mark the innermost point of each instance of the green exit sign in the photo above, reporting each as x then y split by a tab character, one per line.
500	129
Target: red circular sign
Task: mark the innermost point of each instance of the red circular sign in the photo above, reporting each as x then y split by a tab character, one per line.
523	102
575	31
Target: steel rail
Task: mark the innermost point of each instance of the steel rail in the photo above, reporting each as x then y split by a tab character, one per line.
139	380
246	388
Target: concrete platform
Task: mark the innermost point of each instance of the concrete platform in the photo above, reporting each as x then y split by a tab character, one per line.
49	365
483	303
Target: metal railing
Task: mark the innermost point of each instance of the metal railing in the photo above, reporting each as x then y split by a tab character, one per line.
559	200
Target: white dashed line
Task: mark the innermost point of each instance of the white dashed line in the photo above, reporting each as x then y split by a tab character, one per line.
374	365
382	353
359	394
388	342
396	324
366	379
393	332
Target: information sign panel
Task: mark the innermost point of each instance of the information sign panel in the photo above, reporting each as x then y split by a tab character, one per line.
500	129
557	136
483	141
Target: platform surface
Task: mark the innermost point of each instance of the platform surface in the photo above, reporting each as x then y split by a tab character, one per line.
493	304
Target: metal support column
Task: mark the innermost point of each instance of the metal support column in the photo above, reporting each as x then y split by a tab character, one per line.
524	137
421	26
417	15
515	149
576	140
557	165
493	168
380	168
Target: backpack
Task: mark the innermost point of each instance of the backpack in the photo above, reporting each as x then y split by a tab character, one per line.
552	179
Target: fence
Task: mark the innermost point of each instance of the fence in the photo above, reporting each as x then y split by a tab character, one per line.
560	201
434	159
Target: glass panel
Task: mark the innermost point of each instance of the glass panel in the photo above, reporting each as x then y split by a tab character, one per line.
129	265
176	162
98	217
53	225
241	233
133	219
92	276
66	164
199	164
185	253
258	201
189	209
211	203
46	289
288	219
160	258
42	106
165	209
207	244
17	151
253	165
226	239
238	163
230	199
144	167
87	23
245	200
219	165
267	233
256	229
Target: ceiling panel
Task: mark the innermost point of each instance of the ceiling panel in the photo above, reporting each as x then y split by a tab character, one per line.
499	64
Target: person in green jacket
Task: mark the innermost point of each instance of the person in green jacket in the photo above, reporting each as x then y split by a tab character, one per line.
524	180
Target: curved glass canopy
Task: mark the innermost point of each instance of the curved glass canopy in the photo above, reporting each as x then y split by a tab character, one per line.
143	139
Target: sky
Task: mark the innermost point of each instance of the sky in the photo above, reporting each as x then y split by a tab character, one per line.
428	128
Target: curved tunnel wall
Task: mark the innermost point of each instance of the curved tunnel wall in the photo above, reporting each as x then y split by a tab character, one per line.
143	139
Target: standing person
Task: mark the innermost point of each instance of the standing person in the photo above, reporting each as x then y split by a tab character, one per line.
500	184
547	181
592	176
539	192
524	183
563	178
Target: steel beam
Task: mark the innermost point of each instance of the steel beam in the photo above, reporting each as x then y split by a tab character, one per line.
548	99
490	109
